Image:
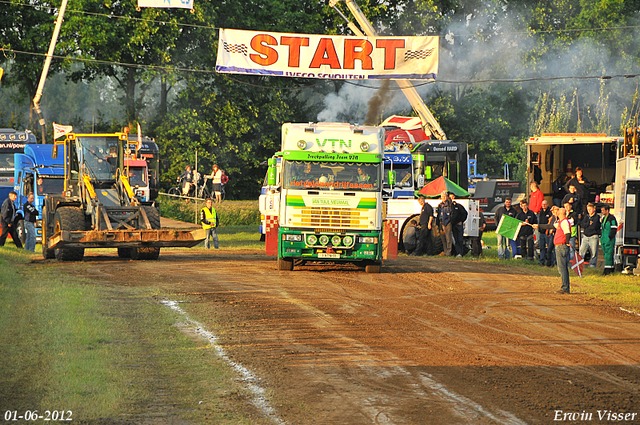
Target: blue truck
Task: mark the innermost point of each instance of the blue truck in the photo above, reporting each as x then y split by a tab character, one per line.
35	171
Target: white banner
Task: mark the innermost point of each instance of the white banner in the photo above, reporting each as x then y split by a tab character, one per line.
60	130
182	4
327	56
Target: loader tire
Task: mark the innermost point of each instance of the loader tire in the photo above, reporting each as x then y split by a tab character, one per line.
153	216
145	253
71	219
148	253
124	252
46	252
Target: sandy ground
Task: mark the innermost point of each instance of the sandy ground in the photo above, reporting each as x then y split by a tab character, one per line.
427	341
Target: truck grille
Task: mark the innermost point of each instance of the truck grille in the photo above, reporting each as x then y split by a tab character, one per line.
329	217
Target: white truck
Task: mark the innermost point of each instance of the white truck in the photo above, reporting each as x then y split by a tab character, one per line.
327	188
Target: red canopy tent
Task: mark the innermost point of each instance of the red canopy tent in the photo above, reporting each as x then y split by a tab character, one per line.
435	188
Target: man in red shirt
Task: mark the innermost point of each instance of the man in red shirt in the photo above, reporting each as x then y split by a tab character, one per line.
561	240
535	198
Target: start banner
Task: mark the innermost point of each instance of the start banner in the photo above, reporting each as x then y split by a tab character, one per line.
327	56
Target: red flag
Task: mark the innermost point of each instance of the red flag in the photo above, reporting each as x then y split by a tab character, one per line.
577	264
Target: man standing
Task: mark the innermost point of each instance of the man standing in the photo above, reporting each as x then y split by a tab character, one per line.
7	220
547	254
525	236
458	217
581	184
209	220
591	228
30	215
187	180
573	198
503	241
443	212
535	198
426	220
561	242
608	238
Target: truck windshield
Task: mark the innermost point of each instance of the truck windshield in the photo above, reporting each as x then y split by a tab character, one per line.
50	185
403	175
331	176
100	155
137	176
6	164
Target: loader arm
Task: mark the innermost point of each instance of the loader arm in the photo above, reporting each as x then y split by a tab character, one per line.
429	123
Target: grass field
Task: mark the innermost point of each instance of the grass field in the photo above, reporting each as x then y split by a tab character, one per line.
102	352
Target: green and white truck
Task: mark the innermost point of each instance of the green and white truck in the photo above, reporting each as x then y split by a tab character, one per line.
329	185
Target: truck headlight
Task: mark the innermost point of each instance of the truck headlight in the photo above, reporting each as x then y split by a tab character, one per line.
324	239
312	240
367	239
335	240
293	238
347	240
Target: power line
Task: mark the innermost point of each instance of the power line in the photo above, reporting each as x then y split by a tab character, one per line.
449	34
106	15
207	71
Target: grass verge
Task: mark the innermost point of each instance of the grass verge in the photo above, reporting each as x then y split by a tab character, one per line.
102	352
231	213
618	289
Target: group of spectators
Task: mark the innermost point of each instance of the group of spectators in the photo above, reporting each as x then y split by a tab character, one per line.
189	177
9	221
449	218
548	226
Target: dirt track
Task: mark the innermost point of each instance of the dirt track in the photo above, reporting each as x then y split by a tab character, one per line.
428	341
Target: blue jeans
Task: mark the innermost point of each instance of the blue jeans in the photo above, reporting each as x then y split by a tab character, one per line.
211	233
562	257
590	243
30	233
574	246
546	250
504	245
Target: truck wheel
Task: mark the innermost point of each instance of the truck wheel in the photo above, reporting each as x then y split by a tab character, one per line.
285	264
70	219
124	252
436	241
20	231
46	252
373	268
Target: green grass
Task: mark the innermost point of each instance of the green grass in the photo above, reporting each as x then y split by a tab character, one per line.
68	342
230	213
618	289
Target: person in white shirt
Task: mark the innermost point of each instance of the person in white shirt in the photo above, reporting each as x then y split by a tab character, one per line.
216	177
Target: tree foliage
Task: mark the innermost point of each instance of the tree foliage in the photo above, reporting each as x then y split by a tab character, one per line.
156	67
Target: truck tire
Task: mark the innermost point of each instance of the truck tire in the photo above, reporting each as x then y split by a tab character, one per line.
147	253
373	268
20	231
46	252
285	264
70	219
436	241
124	252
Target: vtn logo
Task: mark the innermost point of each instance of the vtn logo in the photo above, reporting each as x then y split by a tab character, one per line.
340	143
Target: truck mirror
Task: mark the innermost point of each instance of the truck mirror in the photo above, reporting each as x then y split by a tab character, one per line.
427	172
272	172
392	178
54	152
